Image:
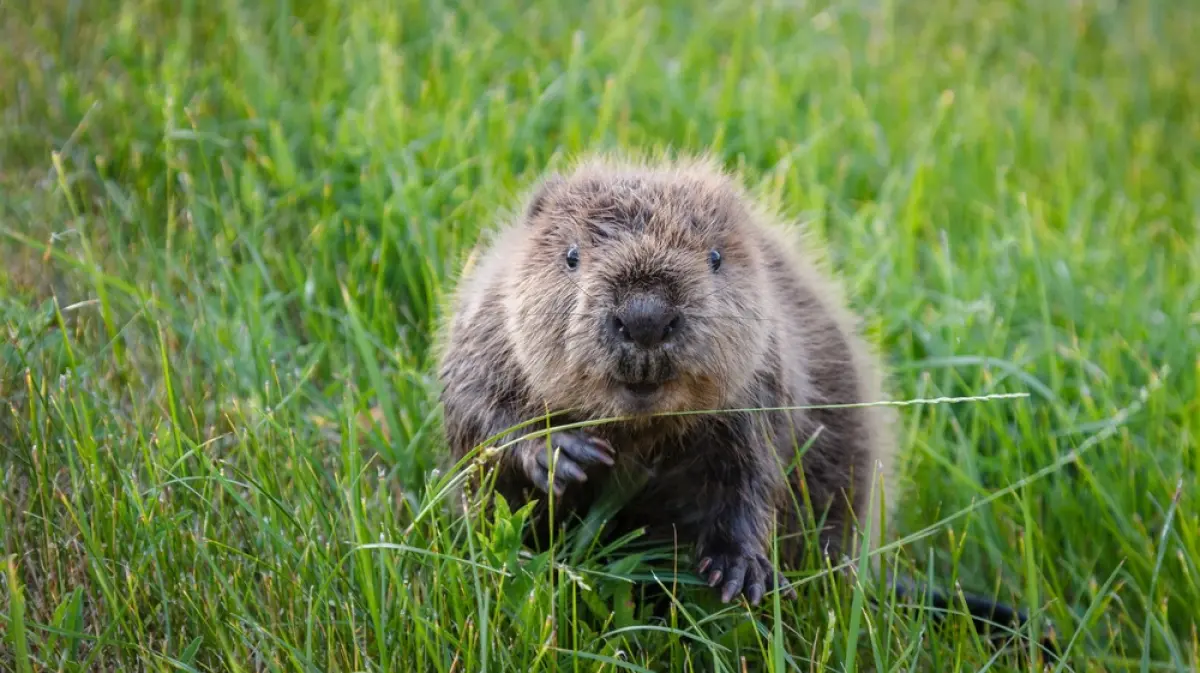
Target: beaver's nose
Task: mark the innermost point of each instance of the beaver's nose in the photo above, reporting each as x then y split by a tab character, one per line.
646	321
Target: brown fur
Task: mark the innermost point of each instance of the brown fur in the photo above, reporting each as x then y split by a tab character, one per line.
770	328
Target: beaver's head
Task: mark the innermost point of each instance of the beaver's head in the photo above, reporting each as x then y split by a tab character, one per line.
638	290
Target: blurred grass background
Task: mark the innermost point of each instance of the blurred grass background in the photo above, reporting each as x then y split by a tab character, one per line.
225	233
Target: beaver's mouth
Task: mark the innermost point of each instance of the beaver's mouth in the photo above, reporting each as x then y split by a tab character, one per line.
642	389
643	377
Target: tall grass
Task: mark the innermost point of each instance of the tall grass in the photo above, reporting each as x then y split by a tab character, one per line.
226	231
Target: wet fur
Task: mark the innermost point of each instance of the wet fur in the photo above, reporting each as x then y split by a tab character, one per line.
769	329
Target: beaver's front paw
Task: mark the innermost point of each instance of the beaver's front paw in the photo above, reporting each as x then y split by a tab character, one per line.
576	454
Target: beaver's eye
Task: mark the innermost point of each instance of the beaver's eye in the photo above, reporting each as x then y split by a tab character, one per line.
572	257
714	259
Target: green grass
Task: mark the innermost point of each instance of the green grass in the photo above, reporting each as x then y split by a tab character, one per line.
225	233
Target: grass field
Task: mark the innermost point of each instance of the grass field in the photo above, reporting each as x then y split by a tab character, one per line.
225	234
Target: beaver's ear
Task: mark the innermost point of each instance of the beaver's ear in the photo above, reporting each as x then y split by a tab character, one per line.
540	196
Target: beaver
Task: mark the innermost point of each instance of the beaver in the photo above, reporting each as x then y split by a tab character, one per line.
645	292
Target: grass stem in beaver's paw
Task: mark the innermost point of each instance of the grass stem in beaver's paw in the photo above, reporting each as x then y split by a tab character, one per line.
576	454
